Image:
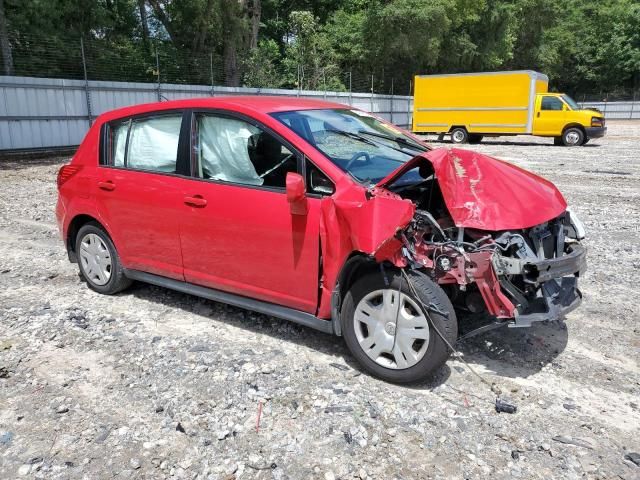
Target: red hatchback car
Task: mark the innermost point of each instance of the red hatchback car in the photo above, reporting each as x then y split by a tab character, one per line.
320	214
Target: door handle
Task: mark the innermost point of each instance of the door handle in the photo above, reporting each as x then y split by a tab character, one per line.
109	186
538	114
195	201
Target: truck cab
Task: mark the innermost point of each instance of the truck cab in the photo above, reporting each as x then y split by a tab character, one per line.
557	115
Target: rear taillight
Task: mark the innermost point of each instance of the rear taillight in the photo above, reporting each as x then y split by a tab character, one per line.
66	172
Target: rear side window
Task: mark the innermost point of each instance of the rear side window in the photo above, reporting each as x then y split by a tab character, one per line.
149	143
551	103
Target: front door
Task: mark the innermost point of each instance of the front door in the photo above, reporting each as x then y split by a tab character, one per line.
550	116
238	233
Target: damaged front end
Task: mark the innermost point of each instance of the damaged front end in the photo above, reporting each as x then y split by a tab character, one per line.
495	237
526	275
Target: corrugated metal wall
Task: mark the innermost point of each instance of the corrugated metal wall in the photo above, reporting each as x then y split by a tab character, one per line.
616	110
46	112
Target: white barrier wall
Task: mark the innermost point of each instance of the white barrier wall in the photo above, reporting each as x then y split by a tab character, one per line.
616	110
46	112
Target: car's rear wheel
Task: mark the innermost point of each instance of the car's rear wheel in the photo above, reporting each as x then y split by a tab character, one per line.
572	137
388	331
459	135
98	260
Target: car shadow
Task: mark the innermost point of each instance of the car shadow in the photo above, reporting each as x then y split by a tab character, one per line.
258	323
504	352
516	352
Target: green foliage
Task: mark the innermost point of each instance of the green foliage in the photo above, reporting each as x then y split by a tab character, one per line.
584	46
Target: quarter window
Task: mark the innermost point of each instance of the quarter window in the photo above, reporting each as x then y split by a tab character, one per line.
119	143
318	182
232	150
551	103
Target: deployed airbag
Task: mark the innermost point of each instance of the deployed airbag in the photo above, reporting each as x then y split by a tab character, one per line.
224	153
153	144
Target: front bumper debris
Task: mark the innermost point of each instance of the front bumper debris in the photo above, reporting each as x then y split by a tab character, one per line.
539	271
559	298
557	278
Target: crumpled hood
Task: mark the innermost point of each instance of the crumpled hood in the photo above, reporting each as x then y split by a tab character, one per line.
486	193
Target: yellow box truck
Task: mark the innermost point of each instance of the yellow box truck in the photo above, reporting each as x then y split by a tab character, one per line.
469	106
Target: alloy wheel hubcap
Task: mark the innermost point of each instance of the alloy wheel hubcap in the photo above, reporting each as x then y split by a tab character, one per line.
573	138
96	259
458	136
391	329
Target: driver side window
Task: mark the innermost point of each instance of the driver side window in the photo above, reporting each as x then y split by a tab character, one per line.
551	103
232	150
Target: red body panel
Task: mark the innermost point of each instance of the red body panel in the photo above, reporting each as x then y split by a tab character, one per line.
246	241
144	211
489	194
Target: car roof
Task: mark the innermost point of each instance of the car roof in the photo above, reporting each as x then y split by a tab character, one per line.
255	103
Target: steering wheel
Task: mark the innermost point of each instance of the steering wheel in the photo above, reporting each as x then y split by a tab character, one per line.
355	157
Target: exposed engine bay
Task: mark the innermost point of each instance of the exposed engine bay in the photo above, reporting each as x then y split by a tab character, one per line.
526	274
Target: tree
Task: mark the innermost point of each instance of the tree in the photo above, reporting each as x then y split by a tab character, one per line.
5	45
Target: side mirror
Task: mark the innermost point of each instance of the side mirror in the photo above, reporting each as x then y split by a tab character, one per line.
296	194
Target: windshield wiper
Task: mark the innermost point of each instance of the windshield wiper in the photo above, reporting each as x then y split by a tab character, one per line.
366	140
400	140
355	136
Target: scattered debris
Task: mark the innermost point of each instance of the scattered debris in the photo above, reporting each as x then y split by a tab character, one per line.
505	407
633	457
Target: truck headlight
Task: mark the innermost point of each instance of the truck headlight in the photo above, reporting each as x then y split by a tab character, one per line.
576	225
597	122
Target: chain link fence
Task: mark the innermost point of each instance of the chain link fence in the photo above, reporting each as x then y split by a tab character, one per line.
160	62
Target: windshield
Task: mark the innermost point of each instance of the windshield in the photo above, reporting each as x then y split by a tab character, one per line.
355	141
571	102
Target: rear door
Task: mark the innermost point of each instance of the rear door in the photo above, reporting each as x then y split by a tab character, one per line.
138	189
238	233
550	116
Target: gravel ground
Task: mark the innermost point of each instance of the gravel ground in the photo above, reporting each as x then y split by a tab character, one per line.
157	384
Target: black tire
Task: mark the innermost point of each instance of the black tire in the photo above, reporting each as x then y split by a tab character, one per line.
557	141
437	351
586	140
117	281
475	138
573	137
459	135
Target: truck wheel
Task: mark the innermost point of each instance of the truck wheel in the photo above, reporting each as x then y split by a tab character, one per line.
98	260
459	135
572	137
475	138
389	333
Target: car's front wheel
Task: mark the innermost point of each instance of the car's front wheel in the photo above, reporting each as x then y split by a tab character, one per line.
388	330
98	260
